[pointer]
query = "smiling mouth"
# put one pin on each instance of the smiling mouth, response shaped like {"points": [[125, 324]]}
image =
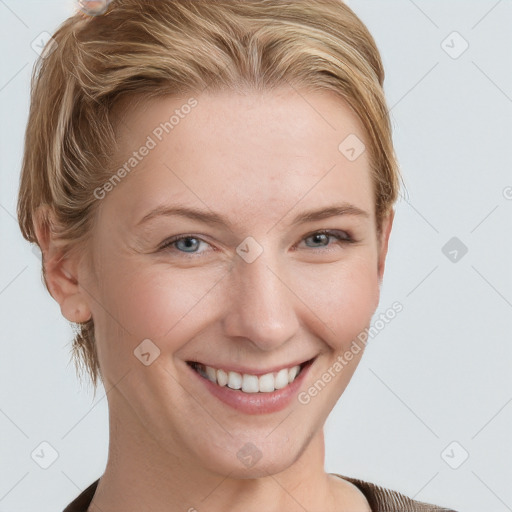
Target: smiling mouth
{"points": [[248, 383]]}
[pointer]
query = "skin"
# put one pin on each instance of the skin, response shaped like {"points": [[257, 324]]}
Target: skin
{"points": [[259, 159]]}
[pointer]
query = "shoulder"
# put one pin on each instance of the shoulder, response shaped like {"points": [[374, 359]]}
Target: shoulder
{"points": [[388, 500]]}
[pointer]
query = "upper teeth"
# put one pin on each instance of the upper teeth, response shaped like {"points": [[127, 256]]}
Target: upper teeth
{"points": [[249, 383]]}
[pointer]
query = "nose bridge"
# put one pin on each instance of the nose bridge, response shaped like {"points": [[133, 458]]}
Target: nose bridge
{"points": [[262, 307]]}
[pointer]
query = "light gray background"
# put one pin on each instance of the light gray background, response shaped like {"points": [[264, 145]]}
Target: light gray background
{"points": [[438, 373]]}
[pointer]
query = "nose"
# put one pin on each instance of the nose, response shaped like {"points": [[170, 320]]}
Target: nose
{"points": [[262, 308]]}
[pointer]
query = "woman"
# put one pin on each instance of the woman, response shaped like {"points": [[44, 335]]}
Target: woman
{"points": [[214, 213]]}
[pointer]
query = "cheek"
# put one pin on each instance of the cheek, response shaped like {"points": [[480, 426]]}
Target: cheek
{"points": [[143, 307], [344, 298], [155, 302]]}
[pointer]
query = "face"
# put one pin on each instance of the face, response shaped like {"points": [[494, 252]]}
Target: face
{"points": [[248, 284]]}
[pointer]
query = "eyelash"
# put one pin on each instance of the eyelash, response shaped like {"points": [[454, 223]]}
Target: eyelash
{"points": [[342, 236]]}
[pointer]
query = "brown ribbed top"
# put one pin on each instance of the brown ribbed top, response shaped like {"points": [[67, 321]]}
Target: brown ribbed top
{"points": [[379, 498], [387, 500]]}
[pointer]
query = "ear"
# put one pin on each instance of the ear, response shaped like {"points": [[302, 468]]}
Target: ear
{"points": [[387, 223], [60, 270]]}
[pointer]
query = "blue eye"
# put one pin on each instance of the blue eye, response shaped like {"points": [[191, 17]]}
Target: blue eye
{"points": [[189, 245], [323, 237]]}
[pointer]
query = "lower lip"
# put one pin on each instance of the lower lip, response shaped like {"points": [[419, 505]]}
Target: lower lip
{"points": [[255, 403]]}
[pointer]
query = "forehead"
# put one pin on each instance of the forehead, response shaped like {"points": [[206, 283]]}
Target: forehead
{"points": [[240, 152]]}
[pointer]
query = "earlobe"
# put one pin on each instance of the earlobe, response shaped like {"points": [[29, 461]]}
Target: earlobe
{"points": [[74, 309], [60, 271]]}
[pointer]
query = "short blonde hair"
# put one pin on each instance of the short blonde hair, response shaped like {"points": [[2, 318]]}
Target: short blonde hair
{"points": [[164, 47]]}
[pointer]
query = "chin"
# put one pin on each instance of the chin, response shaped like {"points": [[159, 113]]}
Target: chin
{"points": [[250, 462], [248, 456]]}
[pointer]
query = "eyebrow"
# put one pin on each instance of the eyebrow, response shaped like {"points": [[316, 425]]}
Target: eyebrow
{"points": [[216, 219]]}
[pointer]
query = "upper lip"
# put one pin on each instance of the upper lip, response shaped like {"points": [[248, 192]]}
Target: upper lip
{"points": [[253, 371]]}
